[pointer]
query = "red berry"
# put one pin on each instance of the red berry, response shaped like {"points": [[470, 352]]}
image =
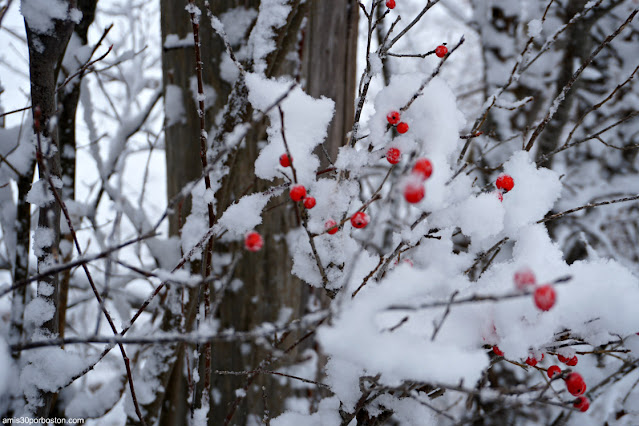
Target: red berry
{"points": [[406, 261], [298, 192], [414, 192], [360, 220], [497, 351], [545, 297], [393, 117], [423, 168], [309, 202], [575, 384], [441, 51], [531, 361], [285, 160], [331, 226], [402, 127], [582, 404], [505, 182], [390, 4], [568, 361], [253, 241], [524, 278], [553, 370], [393, 155]]}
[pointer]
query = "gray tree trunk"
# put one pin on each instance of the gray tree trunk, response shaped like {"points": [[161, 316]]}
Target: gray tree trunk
{"points": [[45, 55], [268, 286], [69, 104]]}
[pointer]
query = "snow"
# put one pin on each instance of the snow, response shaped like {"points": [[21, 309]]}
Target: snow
{"points": [[273, 15], [40, 194], [245, 215], [48, 369], [38, 311], [97, 403], [534, 28], [481, 216], [41, 14], [305, 123], [236, 22], [42, 238], [174, 111], [327, 415], [366, 335], [535, 192], [195, 11], [173, 41]]}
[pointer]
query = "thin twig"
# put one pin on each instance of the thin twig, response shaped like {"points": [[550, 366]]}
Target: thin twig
{"points": [[587, 206]]}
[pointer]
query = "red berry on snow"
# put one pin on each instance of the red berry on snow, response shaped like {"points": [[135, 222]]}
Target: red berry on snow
{"points": [[360, 220], [393, 155], [568, 361], [414, 192], [285, 160], [582, 404], [393, 117], [402, 127], [505, 182], [390, 4], [331, 226], [497, 351], [406, 261], [524, 278], [309, 202], [298, 192], [545, 297], [253, 241], [531, 361], [441, 51], [575, 384], [553, 370], [423, 168]]}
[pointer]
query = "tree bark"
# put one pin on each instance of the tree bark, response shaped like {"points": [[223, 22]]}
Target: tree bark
{"points": [[69, 98], [267, 284], [45, 55]]}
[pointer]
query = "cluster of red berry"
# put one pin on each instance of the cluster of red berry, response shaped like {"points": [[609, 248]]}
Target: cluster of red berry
{"points": [[298, 192], [358, 220], [575, 383], [394, 119], [544, 295], [414, 189], [545, 298]]}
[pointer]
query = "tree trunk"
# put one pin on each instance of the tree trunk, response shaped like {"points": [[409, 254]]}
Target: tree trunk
{"points": [[69, 98], [267, 284], [45, 55]]}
